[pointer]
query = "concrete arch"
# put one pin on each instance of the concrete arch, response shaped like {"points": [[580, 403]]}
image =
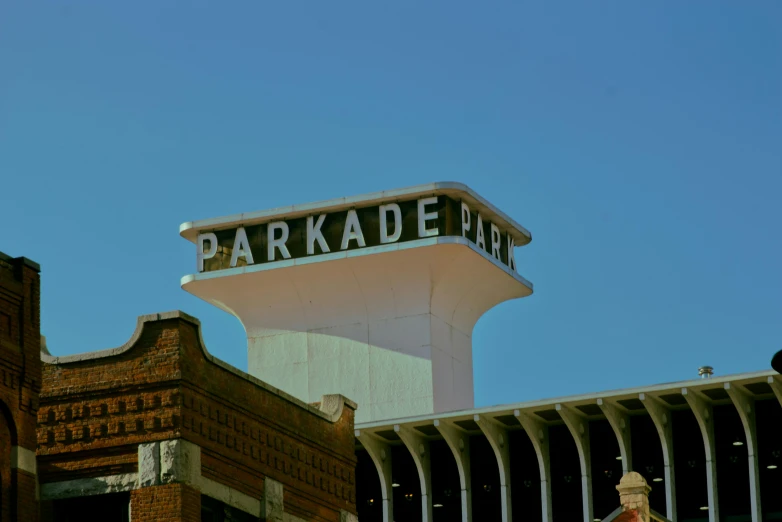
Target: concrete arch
{"points": [[704, 414], [620, 423], [661, 417], [579, 429], [537, 432], [498, 439], [418, 447], [380, 454], [745, 405], [460, 447]]}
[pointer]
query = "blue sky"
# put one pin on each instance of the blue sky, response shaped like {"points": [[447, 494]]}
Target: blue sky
{"points": [[639, 142]]}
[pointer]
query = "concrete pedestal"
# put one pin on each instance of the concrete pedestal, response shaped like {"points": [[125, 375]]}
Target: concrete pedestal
{"points": [[389, 326]]}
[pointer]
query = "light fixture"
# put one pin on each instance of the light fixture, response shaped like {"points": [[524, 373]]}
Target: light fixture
{"points": [[619, 457], [704, 508], [738, 442], [657, 479], [370, 501], [409, 497], [487, 488], [395, 485], [771, 466], [438, 505], [596, 519]]}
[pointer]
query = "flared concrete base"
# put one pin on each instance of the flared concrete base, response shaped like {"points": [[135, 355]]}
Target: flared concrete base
{"points": [[390, 326]]}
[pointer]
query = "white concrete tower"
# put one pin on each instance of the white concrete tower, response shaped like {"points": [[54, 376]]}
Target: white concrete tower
{"points": [[373, 296]]}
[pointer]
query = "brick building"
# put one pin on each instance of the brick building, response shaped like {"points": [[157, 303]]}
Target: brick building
{"points": [[20, 383], [158, 429]]}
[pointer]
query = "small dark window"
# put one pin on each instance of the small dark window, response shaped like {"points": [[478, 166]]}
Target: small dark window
{"points": [[113, 507], [215, 511]]}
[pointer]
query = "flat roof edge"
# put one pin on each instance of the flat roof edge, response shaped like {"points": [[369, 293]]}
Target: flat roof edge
{"points": [[538, 403]]}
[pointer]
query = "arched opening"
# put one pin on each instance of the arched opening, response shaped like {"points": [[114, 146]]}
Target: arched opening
{"points": [[732, 464], [407, 486], [648, 458], [369, 497], [446, 487], [565, 475], [7, 441], [768, 421], [485, 480], [525, 477], [692, 501], [606, 468]]}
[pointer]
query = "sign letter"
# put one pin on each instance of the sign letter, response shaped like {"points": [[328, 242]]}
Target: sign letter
{"points": [[465, 219], [278, 243], [313, 233], [423, 216], [241, 248], [495, 241], [479, 239], [352, 231], [201, 254], [511, 257], [384, 237]]}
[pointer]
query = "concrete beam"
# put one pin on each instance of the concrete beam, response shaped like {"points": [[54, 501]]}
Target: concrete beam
{"points": [[579, 429], [620, 423], [459, 444], [745, 405], [537, 431], [704, 414], [380, 454], [498, 439], [89, 486], [661, 417], [418, 447]]}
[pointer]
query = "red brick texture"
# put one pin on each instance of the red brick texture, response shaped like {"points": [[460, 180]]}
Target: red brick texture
{"points": [[20, 382], [631, 515], [169, 503], [95, 412]]}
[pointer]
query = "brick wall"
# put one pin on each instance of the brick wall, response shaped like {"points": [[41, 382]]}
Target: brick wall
{"points": [[161, 385], [169, 503], [20, 381]]}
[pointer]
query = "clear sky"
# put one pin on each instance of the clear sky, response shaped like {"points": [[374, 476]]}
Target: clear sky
{"points": [[639, 142]]}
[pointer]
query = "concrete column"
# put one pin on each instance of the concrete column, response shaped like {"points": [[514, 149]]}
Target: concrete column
{"points": [[776, 387], [620, 423], [579, 429], [537, 432], [418, 447], [745, 405], [634, 496], [380, 454], [272, 505], [704, 414], [460, 447], [661, 417], [498, 439]]}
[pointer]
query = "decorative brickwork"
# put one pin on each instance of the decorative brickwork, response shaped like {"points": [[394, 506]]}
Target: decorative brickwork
{"points": [[97, 408], [20, 383]]}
